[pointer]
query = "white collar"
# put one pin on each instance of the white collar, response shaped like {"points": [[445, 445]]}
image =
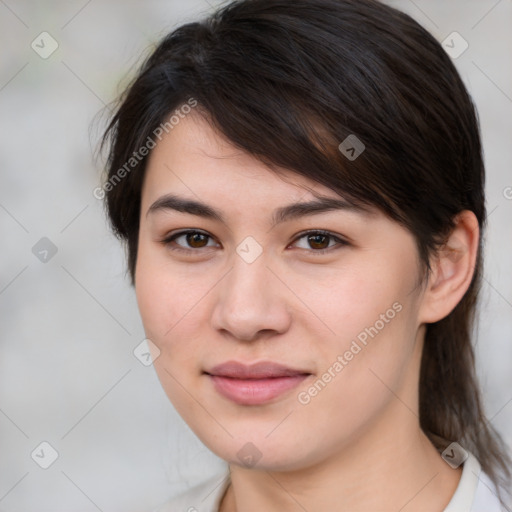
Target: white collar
{"points": [[464, 495]]}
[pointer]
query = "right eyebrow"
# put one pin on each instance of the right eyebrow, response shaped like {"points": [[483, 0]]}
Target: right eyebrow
{"points": [[184, 205]]}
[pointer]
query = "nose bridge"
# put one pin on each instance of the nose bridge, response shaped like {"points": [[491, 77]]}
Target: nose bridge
{"points": [[247, 279], [249, 301]]}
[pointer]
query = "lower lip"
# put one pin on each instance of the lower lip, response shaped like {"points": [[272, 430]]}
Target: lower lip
{"points": [[254, 391]]}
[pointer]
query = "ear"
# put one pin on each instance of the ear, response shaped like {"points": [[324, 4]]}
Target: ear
{"points": [[452, 269]]}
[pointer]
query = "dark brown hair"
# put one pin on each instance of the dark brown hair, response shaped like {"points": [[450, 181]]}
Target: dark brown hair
{"points": [[287, 81]]}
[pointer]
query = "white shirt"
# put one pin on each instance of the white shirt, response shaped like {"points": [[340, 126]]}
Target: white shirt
{"points": [[475, 493]]}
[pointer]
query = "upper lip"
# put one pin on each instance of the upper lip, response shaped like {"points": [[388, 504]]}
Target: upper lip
{"points": [[260, 370]]}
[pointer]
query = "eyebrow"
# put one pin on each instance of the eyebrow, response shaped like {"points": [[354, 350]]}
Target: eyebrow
{"points": [[282, 214]]}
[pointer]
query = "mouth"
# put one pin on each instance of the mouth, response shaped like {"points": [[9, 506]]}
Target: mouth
{"points": [[254, 384]]}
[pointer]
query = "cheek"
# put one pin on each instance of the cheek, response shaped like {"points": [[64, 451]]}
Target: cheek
{"points": [[350, 302], [371, 317], [165, 295], [359, 380], [152, 293], [165, 304], [173, 302]]}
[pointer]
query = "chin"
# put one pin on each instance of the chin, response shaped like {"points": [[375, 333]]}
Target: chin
{"points": [[258, 452]]}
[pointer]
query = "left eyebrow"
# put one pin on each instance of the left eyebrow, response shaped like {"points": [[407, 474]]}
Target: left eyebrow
{"points": [[321, 205], [282, 214]]}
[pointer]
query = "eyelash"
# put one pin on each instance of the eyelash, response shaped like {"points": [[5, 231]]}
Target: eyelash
{"points": [[340, 242]]}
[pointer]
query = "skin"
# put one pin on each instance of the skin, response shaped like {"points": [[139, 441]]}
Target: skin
{"points": [[357, 445]]}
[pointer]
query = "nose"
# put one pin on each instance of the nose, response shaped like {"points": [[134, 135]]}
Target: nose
{"points": [[252, 302]]}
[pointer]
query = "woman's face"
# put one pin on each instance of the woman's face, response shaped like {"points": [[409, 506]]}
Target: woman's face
{"points": [[245, 289]]}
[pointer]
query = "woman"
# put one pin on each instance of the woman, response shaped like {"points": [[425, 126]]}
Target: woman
{"points": [[301, 189]]}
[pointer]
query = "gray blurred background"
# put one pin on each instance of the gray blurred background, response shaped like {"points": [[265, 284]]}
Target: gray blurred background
{"points": [[69, 320]]}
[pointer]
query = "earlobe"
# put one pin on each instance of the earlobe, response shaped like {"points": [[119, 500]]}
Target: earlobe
{"points": [[452, 269]]}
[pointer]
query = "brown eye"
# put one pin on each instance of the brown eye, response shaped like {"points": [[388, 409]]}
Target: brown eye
{"points": [[319, 242], [193, 241]]}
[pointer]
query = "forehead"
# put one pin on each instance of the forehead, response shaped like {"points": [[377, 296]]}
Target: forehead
{"points": [[195, 150], [196, 161]]}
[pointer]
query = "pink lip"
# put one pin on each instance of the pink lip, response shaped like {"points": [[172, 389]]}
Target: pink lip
{"points": [[254, 384]]}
